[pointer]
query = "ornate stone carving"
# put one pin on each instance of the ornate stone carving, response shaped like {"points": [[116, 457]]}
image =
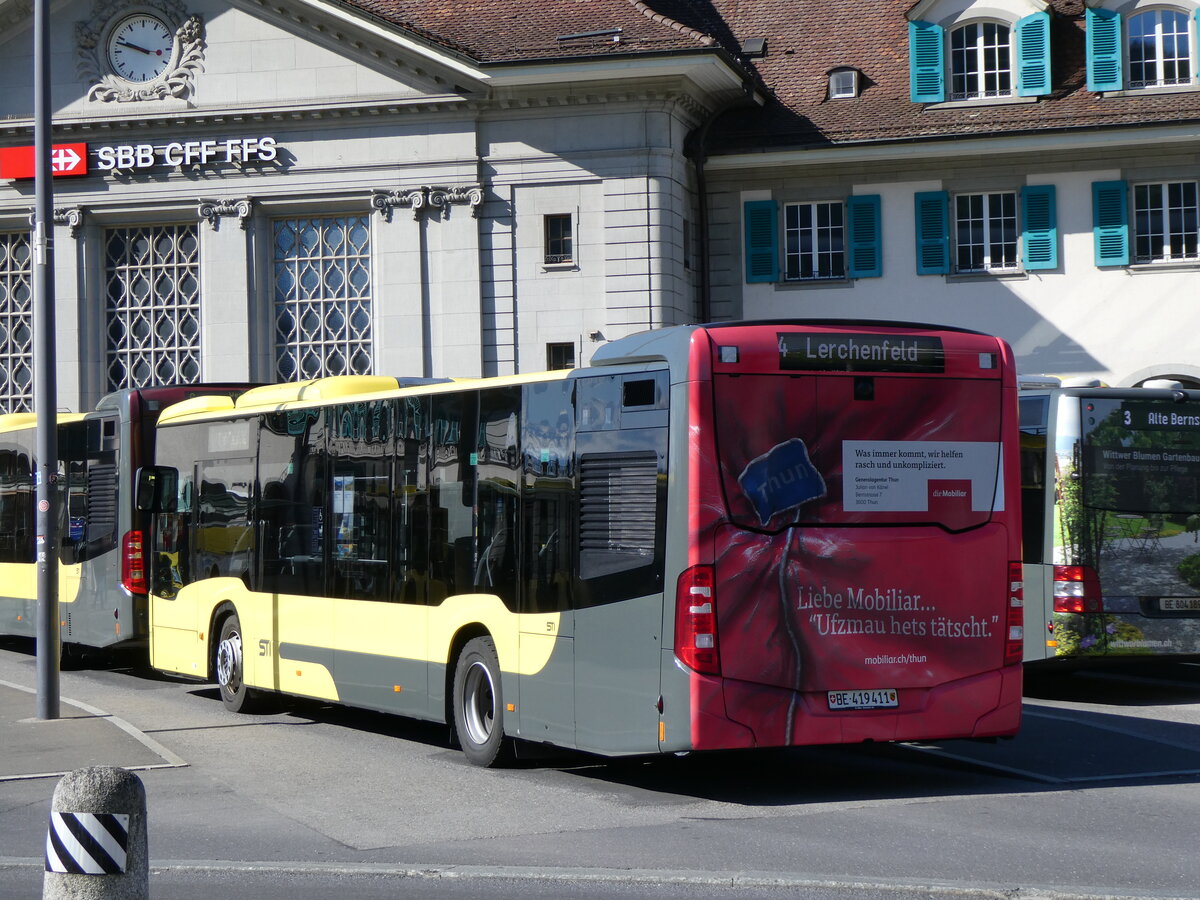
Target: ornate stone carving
{"points": [[63, 215], [427, 197], [213, 210], [176, 81]]}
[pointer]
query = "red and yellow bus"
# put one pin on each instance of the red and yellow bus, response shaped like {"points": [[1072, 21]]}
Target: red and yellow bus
{"points": [[727, 536]]}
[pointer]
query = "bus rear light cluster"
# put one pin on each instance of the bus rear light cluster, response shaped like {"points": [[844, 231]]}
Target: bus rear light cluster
{"points": [[133, 563], [1014, 642], [696, 621], [1077, 590]]}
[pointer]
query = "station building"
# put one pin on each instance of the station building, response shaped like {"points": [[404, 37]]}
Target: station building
{"points": [[253, 190]]}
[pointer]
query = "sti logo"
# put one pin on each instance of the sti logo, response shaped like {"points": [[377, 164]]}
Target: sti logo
{"points": [[65, 160]]}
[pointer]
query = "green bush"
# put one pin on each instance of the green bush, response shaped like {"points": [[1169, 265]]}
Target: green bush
{"points": [[1189, 570]]}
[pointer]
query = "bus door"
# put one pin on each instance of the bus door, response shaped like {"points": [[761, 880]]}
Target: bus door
{"points": [[292, 630], [621, 454], [548, 510], [859, 565]]}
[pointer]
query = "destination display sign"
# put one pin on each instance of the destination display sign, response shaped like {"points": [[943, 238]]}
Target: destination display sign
{"points": [[835, 352]]}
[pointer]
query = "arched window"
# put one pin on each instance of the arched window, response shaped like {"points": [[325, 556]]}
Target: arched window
{"points": [[1160, 50], [980, 61]]}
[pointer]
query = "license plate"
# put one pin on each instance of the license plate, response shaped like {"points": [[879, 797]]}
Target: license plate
{"points": [[878, 699], [1179, 604]]}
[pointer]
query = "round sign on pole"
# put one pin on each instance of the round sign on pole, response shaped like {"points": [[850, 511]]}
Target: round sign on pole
{"points": [[43, 506]]}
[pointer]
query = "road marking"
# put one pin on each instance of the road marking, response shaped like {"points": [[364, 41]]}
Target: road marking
{"points": [[171, 760]]}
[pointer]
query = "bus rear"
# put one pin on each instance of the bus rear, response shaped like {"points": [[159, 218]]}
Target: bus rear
{"points": [[854, 555], [1111, 488]]}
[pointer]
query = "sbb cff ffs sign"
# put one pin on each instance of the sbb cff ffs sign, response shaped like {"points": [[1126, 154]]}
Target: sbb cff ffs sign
{"points": [[65, 160]]}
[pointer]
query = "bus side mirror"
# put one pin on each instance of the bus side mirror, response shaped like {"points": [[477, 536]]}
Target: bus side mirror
{"points": [[156, 489]]}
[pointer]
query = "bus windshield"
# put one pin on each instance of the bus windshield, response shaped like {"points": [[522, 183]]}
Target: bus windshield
{"points": [[1141, 456]]}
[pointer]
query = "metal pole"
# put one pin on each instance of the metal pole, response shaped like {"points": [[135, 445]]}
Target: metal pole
{"points": [[45, 389]]}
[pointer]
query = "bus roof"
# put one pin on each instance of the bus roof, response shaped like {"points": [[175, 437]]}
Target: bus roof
{"points": [[333, 389], [24, 421]]}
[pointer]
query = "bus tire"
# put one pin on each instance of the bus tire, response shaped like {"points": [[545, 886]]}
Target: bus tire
{"points": [[479, 704], [231, 669]]}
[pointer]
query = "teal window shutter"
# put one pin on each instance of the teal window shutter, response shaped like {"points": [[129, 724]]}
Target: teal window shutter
{"points": [[866, 236], [926, 62], [1104, 57], [933, 233], [1039, 217], [762, 241], [1033, 55], [1110, 223]]}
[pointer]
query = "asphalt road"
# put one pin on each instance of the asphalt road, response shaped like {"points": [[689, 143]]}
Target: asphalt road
{"points": [[1099, 796]]}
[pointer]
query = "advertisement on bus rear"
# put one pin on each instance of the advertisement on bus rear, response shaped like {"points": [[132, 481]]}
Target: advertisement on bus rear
{"points": [[859, 553]]}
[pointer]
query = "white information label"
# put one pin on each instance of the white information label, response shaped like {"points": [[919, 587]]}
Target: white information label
{"points": [[905, 476]]}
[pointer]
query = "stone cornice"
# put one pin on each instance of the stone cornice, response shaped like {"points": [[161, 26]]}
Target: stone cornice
{"points": [[118, 124]]}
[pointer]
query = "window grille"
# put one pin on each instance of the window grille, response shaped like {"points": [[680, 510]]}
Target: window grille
{"points": [[16, 324], [152, 290], [323, 297]]}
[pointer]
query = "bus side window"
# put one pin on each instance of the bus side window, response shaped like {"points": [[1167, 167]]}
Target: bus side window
{"points": [[451, 495], [291, 474], [224, 535], [548, 510], [497, 480], [16, 505], [361, 498], [410, 553]]}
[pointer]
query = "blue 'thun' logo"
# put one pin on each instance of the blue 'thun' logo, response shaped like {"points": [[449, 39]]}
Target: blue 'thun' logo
{"points": [[781, 479]]}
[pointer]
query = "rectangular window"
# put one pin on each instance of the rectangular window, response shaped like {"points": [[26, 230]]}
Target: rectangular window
{"points": [[560, 356], [985, 228], [815, 241], [1165, 221], [558, 240]]}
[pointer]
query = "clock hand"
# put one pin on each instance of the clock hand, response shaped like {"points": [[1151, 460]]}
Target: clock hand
{"points": [[135, 47]]}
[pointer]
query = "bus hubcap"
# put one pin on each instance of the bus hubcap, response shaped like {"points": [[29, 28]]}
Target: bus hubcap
{"points": [[479, 703], [229, 662]]}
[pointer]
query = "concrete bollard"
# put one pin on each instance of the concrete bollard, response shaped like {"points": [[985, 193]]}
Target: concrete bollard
{"points": [[96, 847]]}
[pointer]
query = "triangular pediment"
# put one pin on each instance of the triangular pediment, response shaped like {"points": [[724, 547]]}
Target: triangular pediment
{"points": [[210, 56]]}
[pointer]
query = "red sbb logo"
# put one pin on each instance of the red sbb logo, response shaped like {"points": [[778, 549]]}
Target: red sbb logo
{"points": [[66, 160]]}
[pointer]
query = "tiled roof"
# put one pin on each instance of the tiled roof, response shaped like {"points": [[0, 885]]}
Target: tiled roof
{"points": [[500, 31], [805, 40], [808, 38]]}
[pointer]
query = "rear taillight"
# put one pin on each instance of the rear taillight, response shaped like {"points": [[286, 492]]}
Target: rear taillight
{"points": [[133, 563], [1077, 590], [696, 621], [1014, 640]]}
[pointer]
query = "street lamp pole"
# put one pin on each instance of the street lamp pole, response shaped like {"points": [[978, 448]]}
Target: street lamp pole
{"points": [[45, 389]]}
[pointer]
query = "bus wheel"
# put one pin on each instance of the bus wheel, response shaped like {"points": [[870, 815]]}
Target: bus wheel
{"points": [[230, 671], [479, 704]]}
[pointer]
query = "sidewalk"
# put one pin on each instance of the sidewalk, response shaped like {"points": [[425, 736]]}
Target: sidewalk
{"points": [[82, 736]]}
